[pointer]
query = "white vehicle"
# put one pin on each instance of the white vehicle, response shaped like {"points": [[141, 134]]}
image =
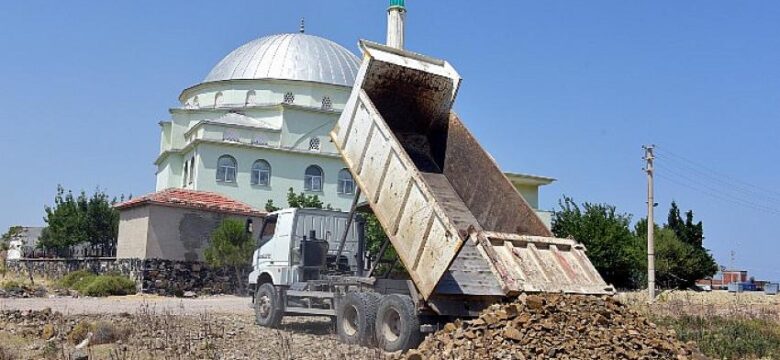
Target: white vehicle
{"points": [[464, 234]]}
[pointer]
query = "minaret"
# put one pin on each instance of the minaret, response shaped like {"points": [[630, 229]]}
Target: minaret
{"points": [[396, 17]]}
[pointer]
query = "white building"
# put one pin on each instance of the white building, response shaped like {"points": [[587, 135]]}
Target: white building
{"points": [[258, 124]]}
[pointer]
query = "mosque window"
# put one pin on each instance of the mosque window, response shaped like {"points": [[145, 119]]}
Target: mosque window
{"points": [[289, 98], [186, 174], [195, 102], [327, 104], [231, 135], [192, 171], [226, 169], [250, 98], [312, 180], [261, 173], [314, 144], [346, 183], [218, 100]]}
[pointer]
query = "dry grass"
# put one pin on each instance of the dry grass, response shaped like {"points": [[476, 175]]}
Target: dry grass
{"points": [[724, 325]]}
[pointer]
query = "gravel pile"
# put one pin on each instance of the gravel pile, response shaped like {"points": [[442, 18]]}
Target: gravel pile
{"points": [[555, 327]]}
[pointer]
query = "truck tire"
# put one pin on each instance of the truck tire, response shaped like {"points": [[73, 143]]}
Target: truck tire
{"points": [[268, 307], [397, 325], [356, 318]]}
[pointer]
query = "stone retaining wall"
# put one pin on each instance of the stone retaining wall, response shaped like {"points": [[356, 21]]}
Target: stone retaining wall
{"points": [[162, 277]]}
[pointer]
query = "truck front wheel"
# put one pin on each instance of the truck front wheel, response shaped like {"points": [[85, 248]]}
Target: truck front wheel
{"points": [[356, 318], [268, 309], [397, 325]]}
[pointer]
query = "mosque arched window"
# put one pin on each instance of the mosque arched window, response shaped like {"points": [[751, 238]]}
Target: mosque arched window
{"points": [[327, 103], [250, 98], [312, 180], [346, 183], [186, 174], [289, 98], [195, 102], [226, 169], [218, 100], [261, 173]]}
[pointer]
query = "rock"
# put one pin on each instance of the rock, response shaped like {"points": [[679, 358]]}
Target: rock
{"points": [[547, 326], [189, 294], [79, 354]]}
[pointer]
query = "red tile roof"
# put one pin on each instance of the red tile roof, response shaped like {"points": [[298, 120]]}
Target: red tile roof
{"points": [[191, 199]]}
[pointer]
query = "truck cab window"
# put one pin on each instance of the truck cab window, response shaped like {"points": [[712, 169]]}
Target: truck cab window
{"points": [[269, 228]]}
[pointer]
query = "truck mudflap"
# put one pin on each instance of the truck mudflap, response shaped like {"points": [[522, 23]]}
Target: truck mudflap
{"points": [[524, 263]]}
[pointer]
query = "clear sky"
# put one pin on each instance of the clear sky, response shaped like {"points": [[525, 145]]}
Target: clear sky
{"points": [[567, 89]]}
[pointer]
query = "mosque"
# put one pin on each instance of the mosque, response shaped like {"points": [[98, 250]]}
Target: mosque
{"points": [[258, 124]]}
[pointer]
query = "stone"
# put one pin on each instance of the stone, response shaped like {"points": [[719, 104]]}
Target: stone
{"points": [[189, 294]]}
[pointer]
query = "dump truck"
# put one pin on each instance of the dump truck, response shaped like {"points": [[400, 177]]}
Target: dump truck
{"points": [[464, 234]]}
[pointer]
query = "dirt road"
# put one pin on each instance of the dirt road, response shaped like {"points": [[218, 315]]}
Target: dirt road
{"points": [[131, 304]]}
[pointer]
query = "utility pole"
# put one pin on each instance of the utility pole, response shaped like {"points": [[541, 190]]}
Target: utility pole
{"points": [[649, 157]]}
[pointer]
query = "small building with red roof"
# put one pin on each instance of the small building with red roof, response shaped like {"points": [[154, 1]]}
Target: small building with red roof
{"points": [[176, 224]]}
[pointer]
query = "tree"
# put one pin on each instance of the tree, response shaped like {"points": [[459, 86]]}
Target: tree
{"points": [[231, 246], [605, 233], [701, 262], [79, 219], [302, 200], [270, 207]]}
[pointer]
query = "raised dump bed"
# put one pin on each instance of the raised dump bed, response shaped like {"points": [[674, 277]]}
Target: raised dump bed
{"points": [[457, 223]]}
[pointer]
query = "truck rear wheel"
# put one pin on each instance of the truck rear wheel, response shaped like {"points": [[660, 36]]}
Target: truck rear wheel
{"points": [[268, 307], [397, 325], [356, 318]]}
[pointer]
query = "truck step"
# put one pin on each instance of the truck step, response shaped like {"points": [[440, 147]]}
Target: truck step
{"points": [[310, 311], [310, 294]]}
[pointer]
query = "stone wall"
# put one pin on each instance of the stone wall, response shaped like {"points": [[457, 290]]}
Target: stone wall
{"points": [[154, 276]]}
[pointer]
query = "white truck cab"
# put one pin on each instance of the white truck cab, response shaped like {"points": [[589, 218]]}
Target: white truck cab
{"points": [[277, 258]]}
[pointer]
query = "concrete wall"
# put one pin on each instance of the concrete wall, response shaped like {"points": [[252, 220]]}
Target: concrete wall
{"points": [[133, 233], [171, 233]]}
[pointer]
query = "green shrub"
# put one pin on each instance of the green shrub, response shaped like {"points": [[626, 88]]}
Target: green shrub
{"points": [[107, 285], [729, 338], [76, 279]]}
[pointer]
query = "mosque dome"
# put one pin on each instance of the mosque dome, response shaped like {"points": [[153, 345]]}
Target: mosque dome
{"points": [[295, 56]]}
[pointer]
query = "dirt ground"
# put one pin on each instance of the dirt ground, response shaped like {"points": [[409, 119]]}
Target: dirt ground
{"points": [[151, 327], [222, 327]]}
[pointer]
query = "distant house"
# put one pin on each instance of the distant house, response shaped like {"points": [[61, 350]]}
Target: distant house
{"points": [[528, 186], [176, 224], [26, 240]]}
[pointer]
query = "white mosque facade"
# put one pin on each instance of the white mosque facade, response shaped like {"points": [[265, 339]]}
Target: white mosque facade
{"points": [[258, 124]]}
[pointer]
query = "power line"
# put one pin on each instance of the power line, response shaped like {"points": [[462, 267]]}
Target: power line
{"points": [[683, 162], [722, 198], [721, 192]]}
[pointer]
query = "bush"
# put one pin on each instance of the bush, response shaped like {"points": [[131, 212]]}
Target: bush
{"points": [[107, 285], [76, 279], [79, 332], [11, 285], [104, 332]]}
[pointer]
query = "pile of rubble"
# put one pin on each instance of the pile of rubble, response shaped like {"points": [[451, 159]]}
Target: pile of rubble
{"points": [[555, 327]]}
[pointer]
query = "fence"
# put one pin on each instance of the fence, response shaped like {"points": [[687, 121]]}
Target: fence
{"points": [[73, 252]]}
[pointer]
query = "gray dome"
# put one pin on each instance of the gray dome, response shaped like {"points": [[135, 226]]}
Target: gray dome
{"points": [[290, 57]]}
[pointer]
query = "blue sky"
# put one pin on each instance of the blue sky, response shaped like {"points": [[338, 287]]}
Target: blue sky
{"points": [[568, 89]]}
